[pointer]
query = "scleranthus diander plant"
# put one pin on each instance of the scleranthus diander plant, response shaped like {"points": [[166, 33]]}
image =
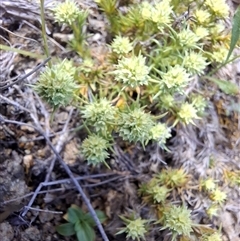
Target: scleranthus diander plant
{"points": [[94, 149], [132, 71], [121, 45], [69, 13], [135, 227], [101, 115], [57, 84], [66, 12], [135, 125], [177, 220], [156, 58]]}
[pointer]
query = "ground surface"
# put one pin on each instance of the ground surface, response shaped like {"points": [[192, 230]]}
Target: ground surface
{"points": [[26, 160]]}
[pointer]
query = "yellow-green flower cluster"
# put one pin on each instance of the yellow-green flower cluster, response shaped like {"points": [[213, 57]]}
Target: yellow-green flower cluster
{"points": [[153, 191], [66, 12], [218, 196], [212, 210], [94, 149], [218, 7], [160, 133], [56, 84], [208, 184], [135, 125], [217, 29], [219, 54], [132, 71], [187, 113], [172, 178], [178, 220], [100, 114], [158, 193], [202, 16], [199, 102], [146, 10], [135, 228], [212, 237], [121, 45], [159, 13], [195, 63], [187, 39], [175, 78], [201, 32]]}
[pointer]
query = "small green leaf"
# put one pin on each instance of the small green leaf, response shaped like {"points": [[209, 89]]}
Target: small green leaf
{"points": [[84, 232], [78, 210], [72, 215], [78, 226], [100, 214], [89, 219], [235, 32], [66, 229], [226, 86]]}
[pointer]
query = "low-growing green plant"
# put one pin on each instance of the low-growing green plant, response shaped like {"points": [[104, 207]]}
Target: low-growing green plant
{"points": [[177, 220], [57, 85], [157, 60], [135, 227], [101, 115], [216, 236], [69, 13], [218, 196], [207, 184], [80, 224], [159, 57], [212, 210], [94, 149], [153, 192], [172, 178], [159, 191]]}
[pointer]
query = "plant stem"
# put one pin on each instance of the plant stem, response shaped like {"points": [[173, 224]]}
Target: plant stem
{"points": [[44, 34]]}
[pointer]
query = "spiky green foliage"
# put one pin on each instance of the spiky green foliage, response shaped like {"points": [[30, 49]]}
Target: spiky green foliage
{"points": [[57, 85], [135, 125], [172, 178], [155, 66], [94, 149], [100, 114], [178, 220], [135, 227], [66, 12], [132, 71]]}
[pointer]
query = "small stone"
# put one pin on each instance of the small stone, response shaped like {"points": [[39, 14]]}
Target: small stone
{"points": [[45, 216], [27, 128], [28, 162], [31, 234], [6, 231]]}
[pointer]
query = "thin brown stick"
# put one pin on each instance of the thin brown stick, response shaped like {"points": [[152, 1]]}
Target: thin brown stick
{"points": [[59, 145]]}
